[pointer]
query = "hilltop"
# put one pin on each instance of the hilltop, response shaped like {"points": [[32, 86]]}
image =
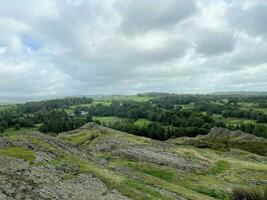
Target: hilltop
{"points": [[95, 162]]}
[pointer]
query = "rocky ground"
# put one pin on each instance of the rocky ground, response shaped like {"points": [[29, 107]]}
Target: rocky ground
{"points": [[96, 162]]}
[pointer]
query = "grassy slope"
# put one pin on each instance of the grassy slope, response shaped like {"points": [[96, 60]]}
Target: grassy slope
{"points": [[229, 170], [142, 180]]}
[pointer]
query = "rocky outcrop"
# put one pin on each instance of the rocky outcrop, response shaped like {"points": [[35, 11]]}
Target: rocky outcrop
{"points": [[48, 176], [95, 162], [221, 138]]}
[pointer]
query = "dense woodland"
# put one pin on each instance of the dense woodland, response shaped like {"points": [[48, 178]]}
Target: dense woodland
{"points": [[49, 116], [169, 115]]}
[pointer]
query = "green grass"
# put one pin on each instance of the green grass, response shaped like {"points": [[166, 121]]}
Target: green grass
{"points": [[12, 131], [80, 138], [153, 194], [69, 176], [251, 106], [232, 121], [69, 111], [103, 102], [246, 105], [125, 98], [142, 122], [186, 182], [138, 98], [210, 192], [36, 141], [158, 172], [108, 120], [220, 167], [264, 110], [18, 152]]}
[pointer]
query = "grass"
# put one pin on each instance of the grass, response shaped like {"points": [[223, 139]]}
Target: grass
{"points": [[248, 193], [146, 181], [12, 131], [108, 120], [220, 167], [80, 138], [264, 110], [36, 141], [151, 192], [210, 192], [232, 121], [142, 122], [138, 98], [18, 152], [69, 177], [168, 178], [251, 106], [125, 98], [158, 172]]}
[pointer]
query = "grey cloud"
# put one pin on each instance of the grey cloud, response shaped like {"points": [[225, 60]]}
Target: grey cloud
{"points": [[251, 19], [215, 42], [141, 16]]}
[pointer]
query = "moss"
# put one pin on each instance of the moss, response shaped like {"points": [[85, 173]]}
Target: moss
{"points": [[18, 152]]}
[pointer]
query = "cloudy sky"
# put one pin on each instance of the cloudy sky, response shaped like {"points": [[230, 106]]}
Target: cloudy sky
{"points": [[51, 48]]}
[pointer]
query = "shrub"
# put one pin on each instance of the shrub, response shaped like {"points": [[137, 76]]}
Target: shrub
{"points": [[17, 126]]}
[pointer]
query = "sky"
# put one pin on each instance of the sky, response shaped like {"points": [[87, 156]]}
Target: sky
{"points": [[54, 48]]}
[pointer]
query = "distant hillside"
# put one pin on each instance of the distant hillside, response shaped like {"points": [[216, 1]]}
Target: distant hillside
{"points": [[240, 93]]}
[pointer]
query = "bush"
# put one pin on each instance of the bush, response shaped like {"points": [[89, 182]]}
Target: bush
{"points": [[17, 126], [239, 193]]}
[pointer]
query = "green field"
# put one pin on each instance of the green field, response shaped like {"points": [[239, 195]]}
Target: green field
{"points": [[12, 131], [126, 98], [264, 110], [142, 122], [108, 120], [251, 106], [232, 121]]}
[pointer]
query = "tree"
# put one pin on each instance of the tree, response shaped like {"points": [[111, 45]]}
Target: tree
{"points": [[89, 118], [56, 121], [77, 112], [156, 131]]}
